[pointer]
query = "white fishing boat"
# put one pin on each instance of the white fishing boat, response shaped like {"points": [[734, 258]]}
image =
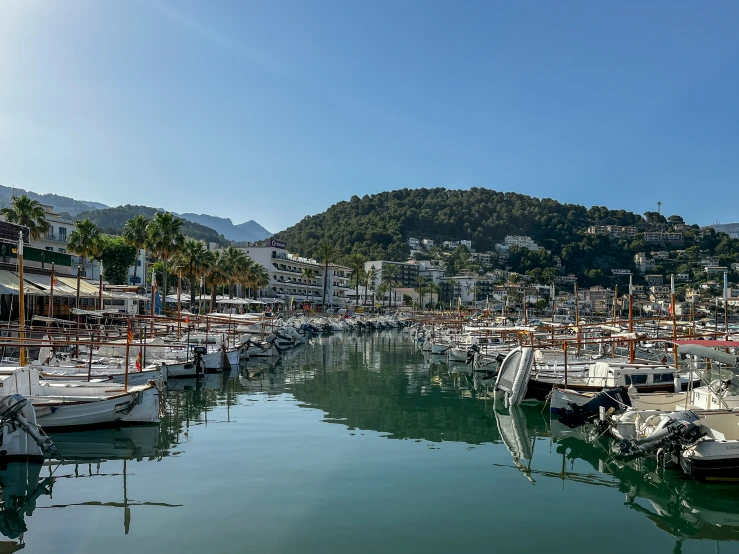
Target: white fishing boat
{"points": [[78, 404]]}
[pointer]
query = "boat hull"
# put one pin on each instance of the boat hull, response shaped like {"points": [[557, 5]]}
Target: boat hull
{"points": [[540, 390], [139, 406]]}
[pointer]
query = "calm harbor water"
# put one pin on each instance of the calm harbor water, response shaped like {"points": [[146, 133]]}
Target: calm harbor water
{"points": [[352, 444]]}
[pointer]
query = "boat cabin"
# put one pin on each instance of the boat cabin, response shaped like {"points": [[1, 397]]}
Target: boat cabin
{"points": [[601, 374]]}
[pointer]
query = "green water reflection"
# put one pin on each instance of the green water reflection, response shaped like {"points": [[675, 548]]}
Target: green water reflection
{"points": [[353, 443]]}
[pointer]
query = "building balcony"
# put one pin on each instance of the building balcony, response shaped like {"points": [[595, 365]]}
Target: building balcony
{"points": [[54, 237]]}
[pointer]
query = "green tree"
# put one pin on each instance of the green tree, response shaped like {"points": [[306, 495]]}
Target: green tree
{"points": [[434, 288], [31, 213], [326, 253], [193, 259], [85, 241], [308, 273], [369, 281], [356, 264], [256, 277], [116, 256], [165, 239], [382, 290], [235, 267], [388, 275], [135, 234], [217, 273]]}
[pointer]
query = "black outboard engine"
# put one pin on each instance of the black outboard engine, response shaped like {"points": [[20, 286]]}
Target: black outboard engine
{"points": [[575, 415], [676, 430], [11, 408], [198, 353], [474, 349]]}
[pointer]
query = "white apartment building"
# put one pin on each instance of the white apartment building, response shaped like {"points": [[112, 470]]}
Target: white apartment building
{"points": [[428, 243], [406, 273], [286, 280], [415, 244], [429, 270], [55, 239], [662, 237], [521, 242], [485, 258]]}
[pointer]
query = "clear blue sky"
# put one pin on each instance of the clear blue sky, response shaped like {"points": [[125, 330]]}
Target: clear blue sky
{"points": [[273, 110]]}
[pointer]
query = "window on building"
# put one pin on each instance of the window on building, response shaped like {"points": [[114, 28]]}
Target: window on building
{"points": [[63, 233], [62, 250], [138, 262], [50, 248]]}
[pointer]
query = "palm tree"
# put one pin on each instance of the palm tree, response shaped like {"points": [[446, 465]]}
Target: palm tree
{"points": [[453, 289], [31, 213], [85, 241], [235, 266], [382, 289], [165, 239], [216, 272], [434, 288], [192, 258], [389, 273], [135, 233], [326, 253], [308, 274], [356, 263], [473, 289], [260, 277], [421, 289]]}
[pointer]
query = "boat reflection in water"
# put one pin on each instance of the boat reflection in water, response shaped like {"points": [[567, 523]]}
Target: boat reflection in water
{"points": [[374, 382], [682, 507], [22, 485], [438, 402]]}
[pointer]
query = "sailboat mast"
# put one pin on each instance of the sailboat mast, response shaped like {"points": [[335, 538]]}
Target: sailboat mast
{"points": [[21, 302]]}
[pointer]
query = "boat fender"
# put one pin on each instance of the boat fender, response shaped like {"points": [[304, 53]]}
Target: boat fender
{"points": [[677, 384]]}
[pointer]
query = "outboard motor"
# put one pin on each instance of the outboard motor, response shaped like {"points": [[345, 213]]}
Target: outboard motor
{"points": [[11, 408], [474, 349], [198, 353], [575, 415], [678, 428]]}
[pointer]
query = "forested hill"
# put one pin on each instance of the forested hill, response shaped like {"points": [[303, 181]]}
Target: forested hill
{"points": [[379, 225], [112, 220]]}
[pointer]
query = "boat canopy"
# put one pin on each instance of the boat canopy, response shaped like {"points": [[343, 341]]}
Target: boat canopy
{"points": [[86, 288], [9, 284]]}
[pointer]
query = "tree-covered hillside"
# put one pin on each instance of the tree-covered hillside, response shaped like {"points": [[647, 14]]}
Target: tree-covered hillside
{"points": [[378, 226], [112, 220]]}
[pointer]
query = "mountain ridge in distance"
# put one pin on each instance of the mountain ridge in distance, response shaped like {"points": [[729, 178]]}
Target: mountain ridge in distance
{"points": [[249, 231], [57, 202], [728, 228]]}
